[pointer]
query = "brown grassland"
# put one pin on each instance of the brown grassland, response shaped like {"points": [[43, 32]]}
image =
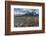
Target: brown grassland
{"points": [[26, 21]]}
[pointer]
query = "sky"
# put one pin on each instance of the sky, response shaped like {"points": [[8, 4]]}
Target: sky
{"points": [[22, 11]]}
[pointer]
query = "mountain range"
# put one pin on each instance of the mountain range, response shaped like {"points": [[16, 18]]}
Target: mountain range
{"points": [[28, 14]]}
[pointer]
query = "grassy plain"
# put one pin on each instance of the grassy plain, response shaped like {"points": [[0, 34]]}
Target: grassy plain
{"points": [[26, 21]]}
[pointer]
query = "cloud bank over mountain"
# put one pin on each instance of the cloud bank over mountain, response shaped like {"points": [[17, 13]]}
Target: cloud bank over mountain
{"points": [[26, 12]]}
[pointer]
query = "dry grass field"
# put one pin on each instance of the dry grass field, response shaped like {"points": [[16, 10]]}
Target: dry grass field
{"points": [[26, 21]]}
